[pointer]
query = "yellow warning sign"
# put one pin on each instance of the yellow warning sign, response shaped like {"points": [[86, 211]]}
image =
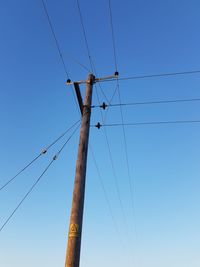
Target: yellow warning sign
{"points": [[73, 230]]}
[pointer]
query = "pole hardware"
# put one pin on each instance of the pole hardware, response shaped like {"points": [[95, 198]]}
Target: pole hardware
{"points": [[104, 106], [116, 74], [98, 125]]}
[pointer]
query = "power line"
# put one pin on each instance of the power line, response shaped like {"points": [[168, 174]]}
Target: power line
{"points": [[58, 47], [55, 38], [153, 75], [37, 181], [63, 146], [84, 33], [121, 112], [57, 43], [26, 195], [113, 35], [109, 103], [147, 103], [112, 165], [63, 134], [98, 125], [87, 46], [79, 63], [94, 70], [126, 156], [23, 169], [102, 91], [43, 152], [107, 200], [105, 194]]}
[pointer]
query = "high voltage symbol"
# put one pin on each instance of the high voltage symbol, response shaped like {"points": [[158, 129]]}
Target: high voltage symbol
{"points": [[73, 230]]}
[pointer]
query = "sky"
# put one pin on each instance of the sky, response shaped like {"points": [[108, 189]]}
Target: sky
{"points": [[157, 224]]}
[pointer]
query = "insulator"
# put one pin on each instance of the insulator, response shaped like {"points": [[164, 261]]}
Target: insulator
{"points": [[103, 106], [98, 125], [116, 73]]}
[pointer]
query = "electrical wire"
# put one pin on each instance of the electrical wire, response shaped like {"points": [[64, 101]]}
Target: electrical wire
{"points": [[87, 47], [58, 48], [113, 168], [122, 118], [23, 169], [26, 195], [100, 87], [150, 102], [36, 182], [84, 33], [55, 38], [63, 134], [109, 104], [153, 76], [121, 112], [79, 63], [131, 185], [63, 146], [43, 152], [113, 35], [105, 194], [147, 123], [57, 43], [108, 202]]}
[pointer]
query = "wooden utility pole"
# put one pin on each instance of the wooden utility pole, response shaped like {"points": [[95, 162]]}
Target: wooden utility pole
{"points": [[76, 218]]}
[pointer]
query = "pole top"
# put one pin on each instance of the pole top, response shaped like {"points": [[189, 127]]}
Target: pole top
{"points": [[93, 79]]}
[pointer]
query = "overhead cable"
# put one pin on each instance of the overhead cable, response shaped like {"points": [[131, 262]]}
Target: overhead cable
{"points": [[84, 33], [59, 49], [159, 75], [113, 35], [98, 125], [55, 38], [113, 167], [92, 65], [57, 43], [121, 113], [55, 157], [43, 152], [104, 105], [105, 194]]}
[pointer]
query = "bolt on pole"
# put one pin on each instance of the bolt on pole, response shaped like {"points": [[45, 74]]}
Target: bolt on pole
{"points": [[76, 218]]}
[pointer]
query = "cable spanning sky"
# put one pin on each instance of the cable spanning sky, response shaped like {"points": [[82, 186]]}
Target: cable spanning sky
{"points": [[142, 191]]}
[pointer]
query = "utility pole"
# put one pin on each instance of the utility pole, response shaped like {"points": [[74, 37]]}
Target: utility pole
{"points": [[76, 218]]}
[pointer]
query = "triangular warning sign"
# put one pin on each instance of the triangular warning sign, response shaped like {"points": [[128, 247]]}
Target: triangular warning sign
{"points": [[73, 230]]}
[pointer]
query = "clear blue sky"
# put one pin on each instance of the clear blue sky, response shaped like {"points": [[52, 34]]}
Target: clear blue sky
{"points": [[36, 106]]}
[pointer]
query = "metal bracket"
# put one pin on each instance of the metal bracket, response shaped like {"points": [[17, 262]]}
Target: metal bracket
{"points": [[79, 97], [116, 74]]}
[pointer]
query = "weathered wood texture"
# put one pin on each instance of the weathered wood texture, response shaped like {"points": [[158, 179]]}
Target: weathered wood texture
{"points": [[76, 219]]}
